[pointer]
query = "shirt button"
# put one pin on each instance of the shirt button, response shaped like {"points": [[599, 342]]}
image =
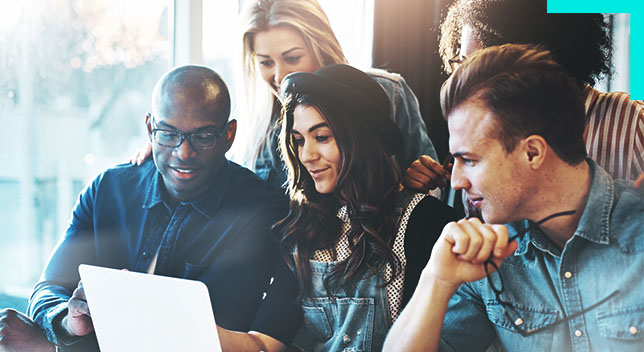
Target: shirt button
{"points": [[632, 330], [567, 274], [144, 254], [346, 339], [518, 322], [578, 333]]}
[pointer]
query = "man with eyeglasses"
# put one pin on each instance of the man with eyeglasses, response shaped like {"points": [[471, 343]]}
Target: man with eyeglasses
{"points": [[565, 272], [188, 213]]}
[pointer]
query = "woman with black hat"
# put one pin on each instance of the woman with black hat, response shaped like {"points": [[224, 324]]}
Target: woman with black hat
{"points": [[354, 243], [285, 36]]}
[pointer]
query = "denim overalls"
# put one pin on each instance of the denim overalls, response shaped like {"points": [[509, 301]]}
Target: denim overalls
{"points": [[348, 321]]}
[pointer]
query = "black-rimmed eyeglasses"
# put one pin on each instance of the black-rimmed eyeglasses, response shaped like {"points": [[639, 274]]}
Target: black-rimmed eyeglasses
{"points": [[510, 312], [198, 141]]}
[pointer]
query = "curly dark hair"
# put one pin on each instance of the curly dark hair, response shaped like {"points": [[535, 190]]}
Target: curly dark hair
{"points": [[579, 42]]}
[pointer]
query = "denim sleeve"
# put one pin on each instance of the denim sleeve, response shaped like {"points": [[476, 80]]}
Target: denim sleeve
{"points": [[48, 302], [466, 326], [405, 111]]}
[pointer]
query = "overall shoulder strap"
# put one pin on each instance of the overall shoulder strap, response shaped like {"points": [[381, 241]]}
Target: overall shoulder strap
{"points": [[405, 204]]}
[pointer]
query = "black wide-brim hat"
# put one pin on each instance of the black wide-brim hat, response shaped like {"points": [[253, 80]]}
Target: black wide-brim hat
{"points": [[353, 90]]}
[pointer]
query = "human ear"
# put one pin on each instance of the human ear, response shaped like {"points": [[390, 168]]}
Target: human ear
{"points": [[148, 124], [535, 148], [231, 131]]}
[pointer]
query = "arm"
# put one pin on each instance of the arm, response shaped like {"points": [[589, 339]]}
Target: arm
{"points": [[405, 111], [52, 296], [276, 322], [251, 341], [279, 317], [19, 333], [456, 258]]}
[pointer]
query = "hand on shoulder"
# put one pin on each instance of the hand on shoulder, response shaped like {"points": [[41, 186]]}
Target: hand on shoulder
{"points": [[426, 174], [141, 155], [639, 182]]}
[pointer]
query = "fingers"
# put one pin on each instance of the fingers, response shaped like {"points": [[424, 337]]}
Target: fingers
{"points": [[486, 240], [139, 157], [410, 181], [501, 242], [509, 249], [436, 167], [639, 183], [475, 242], [144, 153], [426, 174], [77, 304]]}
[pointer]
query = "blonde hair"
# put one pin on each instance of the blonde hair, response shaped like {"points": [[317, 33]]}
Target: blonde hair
{"points": [[306, 18]]}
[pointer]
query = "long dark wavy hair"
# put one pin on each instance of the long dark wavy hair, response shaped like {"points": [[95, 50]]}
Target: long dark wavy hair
{"points": [[368, 182]]}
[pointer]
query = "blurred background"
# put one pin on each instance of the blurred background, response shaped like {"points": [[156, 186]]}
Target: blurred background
{"points": [[76, 78]]}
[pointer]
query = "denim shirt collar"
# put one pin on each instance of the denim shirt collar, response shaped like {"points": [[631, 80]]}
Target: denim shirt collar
{"points": [[206, 204], [594, 224]]}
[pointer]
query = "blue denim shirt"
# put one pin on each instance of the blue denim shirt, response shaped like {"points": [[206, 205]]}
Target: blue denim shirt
{"points": [[121, 219], [605, 254], [404, 111]]}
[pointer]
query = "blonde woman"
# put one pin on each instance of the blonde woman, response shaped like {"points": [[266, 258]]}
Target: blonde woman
{"points": [[285, 36]]}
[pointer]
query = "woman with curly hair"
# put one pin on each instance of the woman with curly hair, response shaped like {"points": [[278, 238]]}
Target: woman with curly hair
{"points": [[614, 134], [354, 242]]}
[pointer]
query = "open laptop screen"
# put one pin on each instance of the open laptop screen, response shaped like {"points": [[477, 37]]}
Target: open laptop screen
{"points": [[141, 312]]}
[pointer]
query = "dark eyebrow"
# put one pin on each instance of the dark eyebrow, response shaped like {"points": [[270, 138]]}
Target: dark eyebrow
{"points": [[315, 127], [165, 125], [319, 125], [461, 154]]}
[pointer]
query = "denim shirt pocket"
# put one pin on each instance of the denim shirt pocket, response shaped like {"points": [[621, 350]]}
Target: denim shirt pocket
{"points": [[532, 317], [192, 271], [625, 324]]}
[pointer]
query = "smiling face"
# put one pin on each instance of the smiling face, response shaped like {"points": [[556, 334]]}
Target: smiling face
{"points": [[280, 51], [496, 181], [187, 172], [316, 147]]}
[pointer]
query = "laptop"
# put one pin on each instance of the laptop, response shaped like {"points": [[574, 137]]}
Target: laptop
{"points": [[141, 312]]}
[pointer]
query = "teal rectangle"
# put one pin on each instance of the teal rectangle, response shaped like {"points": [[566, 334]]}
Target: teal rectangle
{"points": [[635, 8], [592, 6]]}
